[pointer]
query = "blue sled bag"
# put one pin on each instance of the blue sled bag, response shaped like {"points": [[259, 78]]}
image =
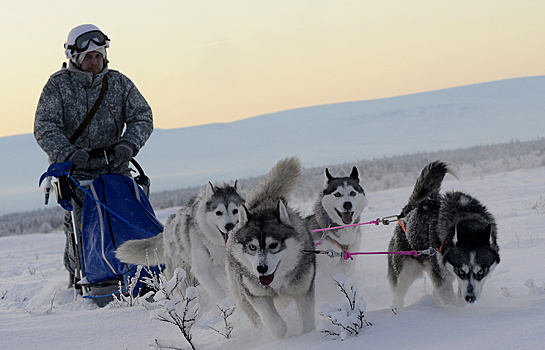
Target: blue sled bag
{"points": [[130, 216]]}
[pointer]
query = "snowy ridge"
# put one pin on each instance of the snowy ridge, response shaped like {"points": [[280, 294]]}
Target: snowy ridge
{"points": [[460, 117], [377, 174]]}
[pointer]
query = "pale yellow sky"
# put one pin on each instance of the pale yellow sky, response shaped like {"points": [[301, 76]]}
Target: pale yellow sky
{"points": [[203, 61]]}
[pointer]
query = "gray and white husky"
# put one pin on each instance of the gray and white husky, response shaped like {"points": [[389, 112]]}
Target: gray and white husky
{"points": [[194, 238], [457, 227], [265, 261], [340, 203]]}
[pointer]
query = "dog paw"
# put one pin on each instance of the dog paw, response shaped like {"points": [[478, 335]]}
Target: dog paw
{"points": [[278, 330]]}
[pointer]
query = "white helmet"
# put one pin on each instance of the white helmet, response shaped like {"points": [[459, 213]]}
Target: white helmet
{"points": [[85, 38]]}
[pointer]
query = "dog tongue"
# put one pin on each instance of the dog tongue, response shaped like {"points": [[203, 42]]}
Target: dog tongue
{"points": [[266, 280], [347, 217]]}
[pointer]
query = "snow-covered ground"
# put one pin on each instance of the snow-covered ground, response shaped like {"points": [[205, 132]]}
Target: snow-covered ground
{"points": [[37, 311]]}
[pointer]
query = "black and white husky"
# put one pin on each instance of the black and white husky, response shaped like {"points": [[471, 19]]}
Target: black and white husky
{"points": [[194, 238], [457, 227], [265, 261], [340, 203]]}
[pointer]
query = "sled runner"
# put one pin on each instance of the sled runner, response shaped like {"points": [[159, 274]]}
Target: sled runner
{"points": [[115, 209]]}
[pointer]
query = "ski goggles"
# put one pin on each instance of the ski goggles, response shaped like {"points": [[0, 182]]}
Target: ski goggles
{"points": [[83, 41]]}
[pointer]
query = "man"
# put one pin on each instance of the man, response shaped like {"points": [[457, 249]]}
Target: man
{"points": [[119, 118]]}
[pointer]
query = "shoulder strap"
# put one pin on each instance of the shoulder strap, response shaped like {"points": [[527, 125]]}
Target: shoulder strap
{"points": [[92, 112]]}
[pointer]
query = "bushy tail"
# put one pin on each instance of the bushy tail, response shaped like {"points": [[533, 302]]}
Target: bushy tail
{"points": [[428, 183], [277, 184], [142, 251]]}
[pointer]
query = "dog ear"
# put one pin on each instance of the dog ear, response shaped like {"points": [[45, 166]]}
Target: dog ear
{"points": [[455, 238], [486, 234], [243, 215], [283, 214], [489, 238], [328, 175], [354, 174], [210, 190], [238, 189]]}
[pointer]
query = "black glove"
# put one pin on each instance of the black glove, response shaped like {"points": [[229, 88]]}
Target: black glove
{"points": [[124, 151], [79, 158]]}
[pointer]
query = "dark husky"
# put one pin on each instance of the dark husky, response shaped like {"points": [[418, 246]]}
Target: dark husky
{"points": [[457, 227]]}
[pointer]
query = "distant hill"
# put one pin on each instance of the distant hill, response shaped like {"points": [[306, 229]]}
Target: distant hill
{"points": [[461, 117], [376, 175]]}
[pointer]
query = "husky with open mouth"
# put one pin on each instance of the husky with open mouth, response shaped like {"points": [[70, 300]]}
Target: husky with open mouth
{"points": [[194, 238], [340, 203], [265, 261]]}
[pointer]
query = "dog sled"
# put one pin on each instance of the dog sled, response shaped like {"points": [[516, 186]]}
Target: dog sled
{"points": [[115, 209]]}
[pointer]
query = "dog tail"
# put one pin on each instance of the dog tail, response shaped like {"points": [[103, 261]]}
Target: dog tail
{"points": [[277, 185], [142, 251], [428, 183]]}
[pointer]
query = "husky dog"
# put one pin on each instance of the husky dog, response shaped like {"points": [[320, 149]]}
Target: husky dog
{"points": [[456, 227], [265, 261], [194, 238], [340, 203]]}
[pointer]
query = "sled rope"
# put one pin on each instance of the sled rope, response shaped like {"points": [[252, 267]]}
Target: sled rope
{"points": [[416, 253], [106, 207], [376, 222], [385, 221], [347, 255]]}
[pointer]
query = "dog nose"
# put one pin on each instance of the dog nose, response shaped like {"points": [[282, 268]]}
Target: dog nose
{"points": [[470, 298], [347, 205], [262, 269], [229, 227]]}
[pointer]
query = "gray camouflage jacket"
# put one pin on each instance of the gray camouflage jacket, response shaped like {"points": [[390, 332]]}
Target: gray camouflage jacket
{"points": [[67, 97]]}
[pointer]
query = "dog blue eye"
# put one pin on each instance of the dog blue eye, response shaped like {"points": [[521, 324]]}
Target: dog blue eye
{"points": [[353, 193], [480, 275], [461, 273], [337, 194], [252, 247], [219, 213]]}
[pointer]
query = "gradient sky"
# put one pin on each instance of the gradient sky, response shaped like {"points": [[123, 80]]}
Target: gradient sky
{"points": [[203, 61]]}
